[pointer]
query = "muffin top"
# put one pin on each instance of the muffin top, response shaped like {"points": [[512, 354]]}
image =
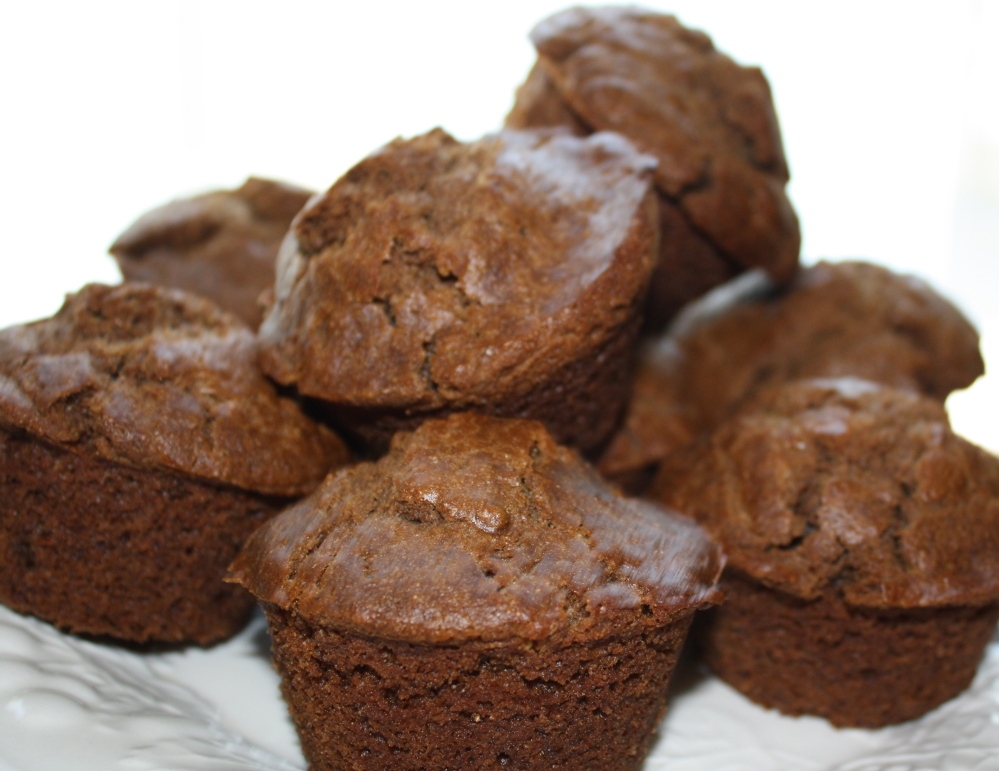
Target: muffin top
{"points": [[845, 484], [439, 273], [710, 122], [221, 245], [836, 319], [156, 378], [478, 528]]}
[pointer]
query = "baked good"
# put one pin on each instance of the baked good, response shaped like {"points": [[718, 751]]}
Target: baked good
{"points": [[139, 446], [834, 319], [656, 424], [221, 245], [477, 598], [710, 123], [505, 275], [862, 538]]}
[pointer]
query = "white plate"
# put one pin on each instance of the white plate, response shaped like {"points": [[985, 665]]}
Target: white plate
{"points": [[66, 703]]}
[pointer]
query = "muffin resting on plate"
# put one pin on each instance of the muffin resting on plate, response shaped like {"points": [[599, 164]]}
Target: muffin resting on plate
{"points": [[220, 245], [710, 123], [139, 446], [862, 538], [506, 276], [477, 598]]}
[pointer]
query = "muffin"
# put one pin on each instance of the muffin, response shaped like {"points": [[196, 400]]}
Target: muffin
{"points": [[220, 245], [834, 319], [505, 276], [710, 123], [477, 598], [139, 446], [862, 538]]}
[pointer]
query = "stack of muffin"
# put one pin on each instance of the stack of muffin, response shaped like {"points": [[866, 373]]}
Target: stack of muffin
{"points": [[505, 333]]}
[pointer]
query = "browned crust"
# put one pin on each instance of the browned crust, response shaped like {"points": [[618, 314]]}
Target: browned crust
{"points": [[437, 276], [221, 245], [710, 123], [160, 379], [476, 528]]}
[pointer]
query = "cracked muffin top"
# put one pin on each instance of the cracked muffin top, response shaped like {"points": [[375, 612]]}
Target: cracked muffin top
{"points": [[845, 484], [156, 378], [836, 319], [440, 273], [709, 122], [478, 528], [220, 245]]}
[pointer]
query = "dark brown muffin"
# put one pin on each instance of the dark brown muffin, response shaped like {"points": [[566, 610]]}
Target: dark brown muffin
{"points": [[139, 446], [220, 245], [863, 545], [476, 599], [505, 275], [710, 123], [835, 319]]}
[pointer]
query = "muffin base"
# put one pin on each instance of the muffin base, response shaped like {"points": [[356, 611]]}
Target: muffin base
{"points": [[98, 548], [362, 703], [855, 667]]}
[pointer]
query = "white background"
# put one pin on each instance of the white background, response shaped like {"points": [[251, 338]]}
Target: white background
{"points": [[890, 114]]}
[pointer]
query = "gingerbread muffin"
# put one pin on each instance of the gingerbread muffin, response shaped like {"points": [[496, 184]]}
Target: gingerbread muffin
{"points": [[139, 446], [862, 538], [220, 245], [477, 598], [836, 319], [506, 276], [710, 123]]}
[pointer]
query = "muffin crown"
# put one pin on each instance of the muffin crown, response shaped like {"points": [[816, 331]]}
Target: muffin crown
{"points": [[478, 528], [709, 122], [440, 273], [851, 486], [837, 319], [220, 245], [156, 378]]}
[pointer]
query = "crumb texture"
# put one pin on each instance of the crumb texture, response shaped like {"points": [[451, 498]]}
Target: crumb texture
{"points": [[853, 666], [102, 549], [363, 703]]}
